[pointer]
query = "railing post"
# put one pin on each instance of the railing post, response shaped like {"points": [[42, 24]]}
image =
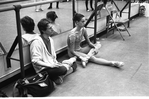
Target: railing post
{"points": [[73, 11], [129, 12], [11, 51], [95, 22], [17, 11]]}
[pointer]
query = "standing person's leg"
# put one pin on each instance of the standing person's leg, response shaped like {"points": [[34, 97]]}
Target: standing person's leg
{"points": [[38, 8], [86, 5], [57, 5], [104, 2], [50, 6], [91, 4]]}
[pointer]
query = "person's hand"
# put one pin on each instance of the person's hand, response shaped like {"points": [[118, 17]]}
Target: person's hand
{"points": [[95, 51], [59, 64]]}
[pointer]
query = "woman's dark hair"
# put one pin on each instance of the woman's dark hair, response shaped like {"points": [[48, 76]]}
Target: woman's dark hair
{"points": [[51, 15], [27, 24], [77, 17], [43, 24]]}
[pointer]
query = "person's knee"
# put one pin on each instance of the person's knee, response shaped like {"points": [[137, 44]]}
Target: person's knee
{"points": [[63, 70], [92, 59]]}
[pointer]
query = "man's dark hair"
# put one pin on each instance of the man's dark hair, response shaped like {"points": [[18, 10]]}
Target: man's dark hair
{"points": [[43, 24], [28, 24]]}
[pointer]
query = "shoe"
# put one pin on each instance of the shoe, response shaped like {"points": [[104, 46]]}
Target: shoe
{"points": [[58, 81], [37, 10], [118, 64], [40, 9], [84, 61], [83, 64], [103, 8], [49, 7], [92, 9], [73, 59], [74, 66], [87, 10], [69, 61]]}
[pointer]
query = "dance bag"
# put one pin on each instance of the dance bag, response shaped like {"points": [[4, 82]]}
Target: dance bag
{"points": [[38, 85]]}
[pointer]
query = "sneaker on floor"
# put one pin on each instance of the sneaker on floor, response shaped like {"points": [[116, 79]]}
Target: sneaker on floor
{"points": [[40, 9], [37, 10], [58, 81], [118, 64], [49, 7], [87, 10]]}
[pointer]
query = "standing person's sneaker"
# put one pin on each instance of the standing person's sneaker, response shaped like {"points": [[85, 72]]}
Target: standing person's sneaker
{"points": [[58, 81], [49, 7], [40, 9], [87, 10], [37, 10], [92, 9], [117, 64]]}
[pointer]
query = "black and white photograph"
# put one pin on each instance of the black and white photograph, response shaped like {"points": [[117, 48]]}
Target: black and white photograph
{"points": [[74, 48]]}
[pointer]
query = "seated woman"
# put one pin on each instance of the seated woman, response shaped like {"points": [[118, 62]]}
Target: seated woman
{"points": [[85, 53]]}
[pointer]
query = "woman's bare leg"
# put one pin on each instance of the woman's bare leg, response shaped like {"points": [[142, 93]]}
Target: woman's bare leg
{"points": [[102, 61]]}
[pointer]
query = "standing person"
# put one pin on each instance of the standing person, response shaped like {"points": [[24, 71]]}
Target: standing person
{"points": [[91, 5], [57, 5], [28, 26], [43, 55], [51, 16], [85, 53], [38, 8], [104, 2]]}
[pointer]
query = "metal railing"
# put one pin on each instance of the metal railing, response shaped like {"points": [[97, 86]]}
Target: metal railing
{"points": [[121, 11], [18, 39], [11, 1]]}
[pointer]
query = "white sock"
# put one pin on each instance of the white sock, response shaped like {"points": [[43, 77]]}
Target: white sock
{"points": [[70, 61]]}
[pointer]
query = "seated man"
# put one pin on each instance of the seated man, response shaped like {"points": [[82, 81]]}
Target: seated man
{"points": [[43, 55], [85, 53], [28, 26]]}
